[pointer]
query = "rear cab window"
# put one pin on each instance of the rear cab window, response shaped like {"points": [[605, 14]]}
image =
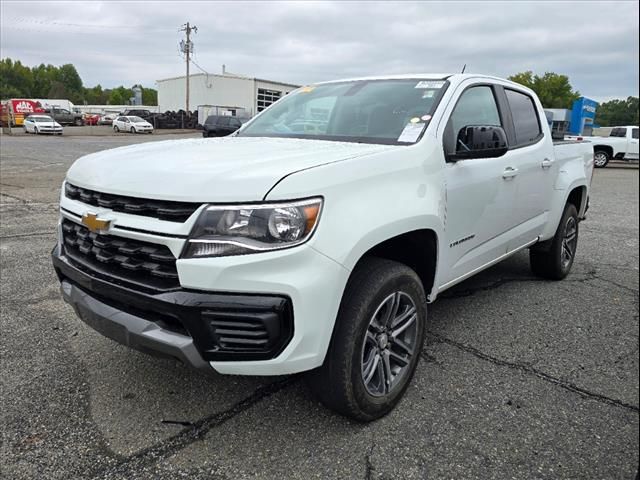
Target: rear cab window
{"points": [[525, 118], [618, 132]]}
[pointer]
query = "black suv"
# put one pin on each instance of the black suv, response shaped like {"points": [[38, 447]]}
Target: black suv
{"points": [[145, 114], [221, 125]]}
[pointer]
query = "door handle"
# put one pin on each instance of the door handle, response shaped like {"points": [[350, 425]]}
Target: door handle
{"points": [[546, 163], [509, 172]]}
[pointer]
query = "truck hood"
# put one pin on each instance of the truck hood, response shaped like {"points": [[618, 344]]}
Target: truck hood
{"points": [[225, 169]]}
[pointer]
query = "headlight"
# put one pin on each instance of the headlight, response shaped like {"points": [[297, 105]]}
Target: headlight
{"points": [[237, 230]]}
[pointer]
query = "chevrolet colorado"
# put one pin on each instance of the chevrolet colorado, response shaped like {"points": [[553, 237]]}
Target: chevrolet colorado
{"points": [[314, 237]]}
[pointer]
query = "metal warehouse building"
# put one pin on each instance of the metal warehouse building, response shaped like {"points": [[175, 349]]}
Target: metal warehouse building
{"points": [[226, 94]]}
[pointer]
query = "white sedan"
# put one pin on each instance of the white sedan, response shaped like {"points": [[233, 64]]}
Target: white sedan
{"points": [[41, 124], [132, 124]]}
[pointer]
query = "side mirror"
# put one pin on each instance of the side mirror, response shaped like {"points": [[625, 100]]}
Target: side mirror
{"points": [[479, 141]]}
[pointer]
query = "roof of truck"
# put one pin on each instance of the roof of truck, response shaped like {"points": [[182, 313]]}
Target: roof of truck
{"points": [[429, 76]]}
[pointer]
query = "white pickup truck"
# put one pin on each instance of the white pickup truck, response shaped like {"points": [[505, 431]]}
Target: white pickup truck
{"points": [[314, 237], [621, 144]]}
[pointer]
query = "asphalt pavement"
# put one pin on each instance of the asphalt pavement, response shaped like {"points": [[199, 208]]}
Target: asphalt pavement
{"points": [[520, 378]]}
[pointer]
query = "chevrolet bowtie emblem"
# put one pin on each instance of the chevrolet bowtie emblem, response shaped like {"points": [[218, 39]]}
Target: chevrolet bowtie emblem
{"points": [[95, 224]]}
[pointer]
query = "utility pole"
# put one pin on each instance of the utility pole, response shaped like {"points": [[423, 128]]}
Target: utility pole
{"points": [[187, 48]]}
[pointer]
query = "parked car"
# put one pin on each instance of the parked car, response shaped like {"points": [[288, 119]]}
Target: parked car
{"points": [[91, 118], [272, 252], [621, 144], [108, 118], [132, 124], [41, 124], [221, 125], [64, 116]]}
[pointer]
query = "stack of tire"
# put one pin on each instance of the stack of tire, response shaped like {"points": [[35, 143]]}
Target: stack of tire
{"points": [[173, 119]]}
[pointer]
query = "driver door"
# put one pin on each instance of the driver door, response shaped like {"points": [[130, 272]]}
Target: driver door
{"points": [[480, 192]]}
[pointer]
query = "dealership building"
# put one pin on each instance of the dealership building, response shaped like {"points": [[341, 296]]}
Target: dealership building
{"points": [[579, 120], [225, 94]]}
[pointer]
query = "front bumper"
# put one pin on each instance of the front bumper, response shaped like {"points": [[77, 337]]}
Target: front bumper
{"points": [[295, 293], [195, 327]]}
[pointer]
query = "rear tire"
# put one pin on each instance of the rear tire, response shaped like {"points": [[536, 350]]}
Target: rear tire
{"points": [[376, 341], [553, 259], [78, 122], [601, 158]]}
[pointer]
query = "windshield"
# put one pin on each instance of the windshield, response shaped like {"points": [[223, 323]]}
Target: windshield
{"points": [[41, 119], [392, 112], [136, 119]]}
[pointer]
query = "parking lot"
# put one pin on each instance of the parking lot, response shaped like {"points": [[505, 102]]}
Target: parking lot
{"points": [[519, 378]]}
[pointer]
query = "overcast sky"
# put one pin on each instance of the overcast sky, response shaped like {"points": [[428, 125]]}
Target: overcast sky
{"points": [[114, 43]]}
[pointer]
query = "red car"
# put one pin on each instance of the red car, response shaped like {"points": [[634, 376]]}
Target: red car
{"points": [[91, 118]]}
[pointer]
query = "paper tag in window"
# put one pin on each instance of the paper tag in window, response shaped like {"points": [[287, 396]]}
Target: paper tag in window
{"points": [[429, 84], [411, 132]]}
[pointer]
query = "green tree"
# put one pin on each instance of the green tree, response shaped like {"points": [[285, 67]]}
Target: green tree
{"points": [[15, 79], [618, 112], [63, 82], [115, 98], [554, 90], [149, 96]]}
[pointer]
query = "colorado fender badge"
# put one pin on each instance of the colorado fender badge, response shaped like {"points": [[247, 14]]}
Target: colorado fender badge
{"points": [[95, 224]]}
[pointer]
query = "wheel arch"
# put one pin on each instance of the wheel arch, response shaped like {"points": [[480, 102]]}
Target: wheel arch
{"points": [[417, 249], [578, 197], [604, 148]]}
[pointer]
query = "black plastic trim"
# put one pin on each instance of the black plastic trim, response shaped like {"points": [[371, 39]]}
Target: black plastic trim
{"points": [[184, 308]]}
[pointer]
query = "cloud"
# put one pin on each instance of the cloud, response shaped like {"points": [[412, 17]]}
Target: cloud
{"points": [[113, 43]]}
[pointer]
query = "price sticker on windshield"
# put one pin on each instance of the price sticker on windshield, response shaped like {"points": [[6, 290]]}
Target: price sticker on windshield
{"points": [[411, 132], [429, 84]]}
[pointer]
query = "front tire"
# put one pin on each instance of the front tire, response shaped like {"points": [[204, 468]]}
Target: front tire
{"points": [[376, 341], [601, 158], [35, 130], [116, 129], [554, 260], [133, 130]]}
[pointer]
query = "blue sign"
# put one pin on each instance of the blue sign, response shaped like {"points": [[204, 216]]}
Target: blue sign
{"points": [[582, 115]]}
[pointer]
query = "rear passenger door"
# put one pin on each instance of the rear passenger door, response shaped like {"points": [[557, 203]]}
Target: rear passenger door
{"points": [[531, 155]]}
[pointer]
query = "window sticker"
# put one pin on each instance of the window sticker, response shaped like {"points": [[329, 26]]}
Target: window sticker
{"points": [[430, 84], [428, 94], [415, 120], [425, 118], [307, 89], [411, 132]]}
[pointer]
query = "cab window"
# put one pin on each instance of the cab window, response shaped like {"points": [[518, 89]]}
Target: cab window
{"points": [[634, 133], [525, 117], [476, 106]]}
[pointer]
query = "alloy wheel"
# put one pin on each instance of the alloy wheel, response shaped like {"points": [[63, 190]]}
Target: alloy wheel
{"points": [[600, 159], [389, 344], [569, 242]]}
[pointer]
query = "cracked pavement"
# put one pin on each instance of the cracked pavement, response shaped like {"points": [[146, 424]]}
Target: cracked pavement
{"points": [[519, 377]]}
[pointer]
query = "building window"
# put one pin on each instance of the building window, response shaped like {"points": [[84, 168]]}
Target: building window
{"points": [[267, 97]]}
